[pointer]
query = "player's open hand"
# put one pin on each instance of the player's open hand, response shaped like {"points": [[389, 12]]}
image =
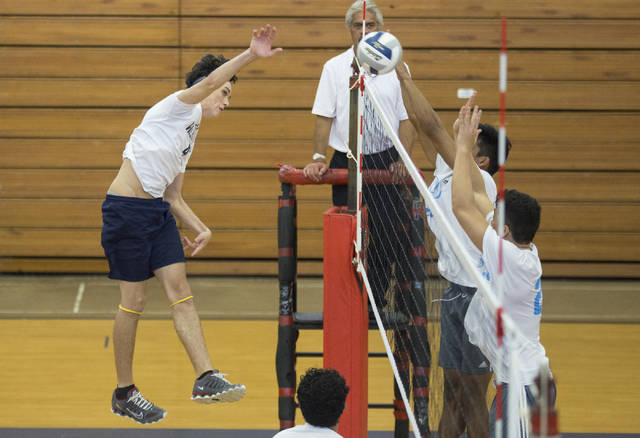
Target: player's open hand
{"points": [[467, 122], [262, 40], [456, 123], [199, 242]]}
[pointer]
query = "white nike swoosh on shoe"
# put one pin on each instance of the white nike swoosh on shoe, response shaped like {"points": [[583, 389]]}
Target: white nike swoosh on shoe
{"points": [[138, 416], [201, 388]]}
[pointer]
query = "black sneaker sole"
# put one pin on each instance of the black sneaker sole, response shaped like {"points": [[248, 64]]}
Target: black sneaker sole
{"points": [[164, 414], [230, 396]]}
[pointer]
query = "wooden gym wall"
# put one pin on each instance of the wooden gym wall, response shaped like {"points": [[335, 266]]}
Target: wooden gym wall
{"points": [[76, 77]]}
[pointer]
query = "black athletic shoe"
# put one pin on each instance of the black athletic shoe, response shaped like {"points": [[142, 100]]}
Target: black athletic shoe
{"points": [[136, 407], [215, 388]]}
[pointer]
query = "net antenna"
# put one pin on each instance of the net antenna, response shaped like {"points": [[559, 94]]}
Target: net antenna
{"points": [[502, 135], [360, 85]]}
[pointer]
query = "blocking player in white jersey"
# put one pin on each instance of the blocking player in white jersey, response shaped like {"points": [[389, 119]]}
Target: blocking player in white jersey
{"points": [[521, 272], [466, 370], [139, 234]]}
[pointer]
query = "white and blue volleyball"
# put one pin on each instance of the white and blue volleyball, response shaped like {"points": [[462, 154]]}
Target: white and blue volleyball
{"points": [[379, 52]]}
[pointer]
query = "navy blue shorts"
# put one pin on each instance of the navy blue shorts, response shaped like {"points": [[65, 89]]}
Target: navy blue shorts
{"points": [[456, 351], [138, 237]]}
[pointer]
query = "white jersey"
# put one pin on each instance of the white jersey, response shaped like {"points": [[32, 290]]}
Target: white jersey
{"points": [[332, 101], [448, 264], [161, 146], [522, 288], [308, 431]]}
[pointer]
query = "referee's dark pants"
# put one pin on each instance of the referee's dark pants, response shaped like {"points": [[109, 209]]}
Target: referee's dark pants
{"points": [[386, 211]]}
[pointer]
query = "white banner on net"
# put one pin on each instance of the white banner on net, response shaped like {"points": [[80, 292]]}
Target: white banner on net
{"points": [[490, 297]]}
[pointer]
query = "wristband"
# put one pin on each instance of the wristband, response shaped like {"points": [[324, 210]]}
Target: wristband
{"points": [[318, 156]]}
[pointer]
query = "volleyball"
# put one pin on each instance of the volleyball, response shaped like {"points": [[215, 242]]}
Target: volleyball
{"points": [[379, 52]]}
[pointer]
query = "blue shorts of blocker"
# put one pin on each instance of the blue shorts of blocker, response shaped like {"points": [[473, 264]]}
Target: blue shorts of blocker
{"points": [[138, 237]]}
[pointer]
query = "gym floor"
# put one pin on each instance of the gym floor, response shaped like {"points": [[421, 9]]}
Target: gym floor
{"points": [[58, 374]]}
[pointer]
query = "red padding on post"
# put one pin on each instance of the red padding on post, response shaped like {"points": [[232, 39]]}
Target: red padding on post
{"points": [[399, 410], [286, 424], [285, 252], [286, 202], [346, 320], [420, 392], [286, 392], [419, 321], [421, 371], [285, 320]]}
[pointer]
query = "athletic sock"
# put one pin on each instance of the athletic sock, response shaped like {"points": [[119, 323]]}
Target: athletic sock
{"points": [[121, 393]]}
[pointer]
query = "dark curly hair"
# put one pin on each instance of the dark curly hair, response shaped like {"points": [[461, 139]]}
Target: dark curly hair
{"points": [[488, 145], [322, 394], [204, 67], [522, 215]]}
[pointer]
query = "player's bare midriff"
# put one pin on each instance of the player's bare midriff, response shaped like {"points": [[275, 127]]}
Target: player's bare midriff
{"points": [[127, 183]]}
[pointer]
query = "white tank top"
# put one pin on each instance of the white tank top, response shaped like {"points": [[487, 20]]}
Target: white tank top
{"points": [[160, 147], [448, 264]]}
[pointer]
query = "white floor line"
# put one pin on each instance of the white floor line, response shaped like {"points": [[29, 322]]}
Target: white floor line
{"points": [[76, 305]]}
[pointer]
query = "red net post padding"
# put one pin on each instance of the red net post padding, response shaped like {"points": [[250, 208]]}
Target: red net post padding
{"points": [[346, 319]]}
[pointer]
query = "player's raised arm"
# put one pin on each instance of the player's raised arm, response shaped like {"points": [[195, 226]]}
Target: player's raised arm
{"points": [[260, 47], [430, 129], [470, 214]]}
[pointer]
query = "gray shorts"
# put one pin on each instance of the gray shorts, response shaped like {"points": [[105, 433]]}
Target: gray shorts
{"points": [[455, 349]]}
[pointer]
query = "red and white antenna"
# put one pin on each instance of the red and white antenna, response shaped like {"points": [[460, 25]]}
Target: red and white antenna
{"points": [[502, 149]]}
